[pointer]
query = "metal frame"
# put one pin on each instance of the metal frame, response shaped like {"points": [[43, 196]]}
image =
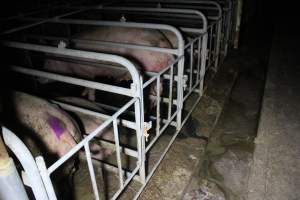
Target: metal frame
{"points": [[189, 79], [138, 126], [224, 9]]}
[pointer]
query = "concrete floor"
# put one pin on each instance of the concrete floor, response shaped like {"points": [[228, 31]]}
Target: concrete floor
{"points": [[276, 167], [224, 169]]}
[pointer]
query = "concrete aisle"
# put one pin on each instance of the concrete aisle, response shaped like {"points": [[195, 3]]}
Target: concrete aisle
{"points": [[275, 171]]}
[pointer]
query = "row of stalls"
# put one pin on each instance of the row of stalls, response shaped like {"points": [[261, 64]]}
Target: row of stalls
{"points": [[141, 108]]}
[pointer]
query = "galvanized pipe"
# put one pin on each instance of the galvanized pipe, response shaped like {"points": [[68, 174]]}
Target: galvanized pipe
{"points": [[27, 162]]}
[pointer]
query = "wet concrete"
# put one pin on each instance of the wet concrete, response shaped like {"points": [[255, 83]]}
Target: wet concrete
{"points": [[224, 168]]}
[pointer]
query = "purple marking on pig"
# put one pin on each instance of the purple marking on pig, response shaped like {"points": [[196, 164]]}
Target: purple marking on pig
{"points": [[56, 126]]}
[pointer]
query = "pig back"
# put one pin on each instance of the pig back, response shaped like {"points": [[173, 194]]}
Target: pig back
{"points": [[148, 60], [42, 124]]}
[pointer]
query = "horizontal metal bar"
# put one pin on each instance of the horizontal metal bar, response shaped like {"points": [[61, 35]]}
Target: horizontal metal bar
{"points": [[165, 121], [123, 149], [97, 132], [38, 22], [166, 76], [185, 2], [126, 123], [193, 30], [79, 54], [95, 43], [131, 176], [116, 24], [163, 99], [192, 109], [159, 161], [109, 167], [150, 145], [74, 81]]}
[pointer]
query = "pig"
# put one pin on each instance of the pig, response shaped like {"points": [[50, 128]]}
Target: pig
{"points": [[44, 123], [90, 123], [146, 60], [45, 128]]}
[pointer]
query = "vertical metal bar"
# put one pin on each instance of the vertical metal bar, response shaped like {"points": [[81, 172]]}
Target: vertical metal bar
{"points": [[170, 92], [116, 134], [45, 177], [210, 45], [218, 40], [157, 105], [28, 163], [191, 65], [180, 91], [139, 118], [199, 59], [238, 23], [203, 62], [91, 170]]}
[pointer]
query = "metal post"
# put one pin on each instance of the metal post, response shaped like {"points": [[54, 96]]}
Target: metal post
{"points": [[219, 27], [203, 62]]}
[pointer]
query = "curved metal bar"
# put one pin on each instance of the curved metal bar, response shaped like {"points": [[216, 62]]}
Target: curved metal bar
{"points": [[124, 24], [27, 162], [39, 22], [79, 54], [161, 10], [213, 3]]}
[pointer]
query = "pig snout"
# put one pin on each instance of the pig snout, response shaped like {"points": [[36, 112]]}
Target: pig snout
{"points": [[98, 151]]}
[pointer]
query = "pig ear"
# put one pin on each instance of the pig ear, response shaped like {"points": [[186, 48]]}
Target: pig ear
{"points": [[56, 125]]}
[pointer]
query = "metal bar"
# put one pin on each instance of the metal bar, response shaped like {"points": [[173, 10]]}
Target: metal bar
{"points": [[218, 41], [158, 104], [149, 146], [38, 22], [91, 170], [80, 54], [210, 46], [190, 91], [164, 3], [118, 153], [170, 92], [165, 121], [95, 43], [96, 132], [126, 183], [192, 109], [110, 167], [126, 123], [119, 24], [45, 177], [112, 145], [140, 137], [203, 62], [27, 161], [191, 65], [74, 81], [157, 164], [198, 58]]}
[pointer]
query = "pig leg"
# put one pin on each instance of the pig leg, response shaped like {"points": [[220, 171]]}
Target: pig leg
{"points": [[90, 93]]}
